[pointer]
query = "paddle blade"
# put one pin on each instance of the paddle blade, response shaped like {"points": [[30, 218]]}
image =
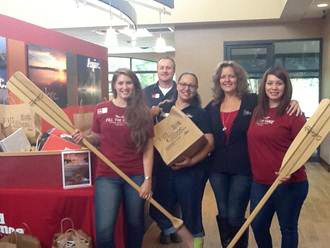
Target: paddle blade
{"points": [[308, 139], [29, 93]]}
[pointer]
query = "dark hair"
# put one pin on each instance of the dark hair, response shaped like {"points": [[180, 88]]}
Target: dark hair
{"points": [[263, 100], [167, 58], [196, 100], [240, 73], [137, 115]]}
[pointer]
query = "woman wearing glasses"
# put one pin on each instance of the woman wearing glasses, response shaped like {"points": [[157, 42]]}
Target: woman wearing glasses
{"points": [[189, 175]]}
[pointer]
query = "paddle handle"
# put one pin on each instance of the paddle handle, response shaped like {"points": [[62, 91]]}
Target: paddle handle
{"points": [[176, 222]]}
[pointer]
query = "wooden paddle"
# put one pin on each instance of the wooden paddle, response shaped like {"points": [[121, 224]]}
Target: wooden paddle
{"points": [[29, 93], [302, 147]]}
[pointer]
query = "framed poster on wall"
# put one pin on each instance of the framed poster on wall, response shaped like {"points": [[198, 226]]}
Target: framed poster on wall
{"points": [[3, 71], [89, 80], [47, 68]]}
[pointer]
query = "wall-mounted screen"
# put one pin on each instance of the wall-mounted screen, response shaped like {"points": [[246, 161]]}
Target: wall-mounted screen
{"points": [[47, 68]]}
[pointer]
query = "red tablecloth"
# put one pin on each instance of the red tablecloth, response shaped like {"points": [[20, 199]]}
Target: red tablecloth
{"points": [[43, 209], [31, 192]]}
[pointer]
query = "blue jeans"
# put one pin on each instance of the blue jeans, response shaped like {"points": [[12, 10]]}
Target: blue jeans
{"points": [[286, 202], [189, 185], [109, 192], [162, 192], [232, 194], [184, 187]]}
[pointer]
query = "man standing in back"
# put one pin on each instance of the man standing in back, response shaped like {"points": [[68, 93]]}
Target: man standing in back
{"points": [[156, 94], [165, 88]]}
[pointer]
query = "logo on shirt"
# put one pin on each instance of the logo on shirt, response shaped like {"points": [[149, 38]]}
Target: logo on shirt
{"points": [[265, 121], [117, 120]]}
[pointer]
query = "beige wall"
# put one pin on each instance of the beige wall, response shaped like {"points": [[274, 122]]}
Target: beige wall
{"points": [[200, 49], [202, 11], [325, 87]]}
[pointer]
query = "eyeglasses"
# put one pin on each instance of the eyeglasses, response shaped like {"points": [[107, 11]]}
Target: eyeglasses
{"points": [[189, 86]]}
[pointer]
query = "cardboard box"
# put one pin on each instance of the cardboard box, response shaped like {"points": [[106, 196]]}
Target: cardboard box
{"points": [[177, 136], [17, 116]]}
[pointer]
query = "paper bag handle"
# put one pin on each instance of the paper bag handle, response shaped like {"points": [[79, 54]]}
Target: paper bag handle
{"points": [[69, 220], [27, 229]]}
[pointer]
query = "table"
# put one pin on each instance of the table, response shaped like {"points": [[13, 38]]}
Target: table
{"points": [[31, 192], [43, 209]]}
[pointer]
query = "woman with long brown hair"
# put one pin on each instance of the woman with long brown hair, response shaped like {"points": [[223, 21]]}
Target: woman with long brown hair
{"points": [[123, 129], [270, 134]]}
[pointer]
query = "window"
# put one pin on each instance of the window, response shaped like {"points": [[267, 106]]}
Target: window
{"points": [[301, 58], [145, 70]]}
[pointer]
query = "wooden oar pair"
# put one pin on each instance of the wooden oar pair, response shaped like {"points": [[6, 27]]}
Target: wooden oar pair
{"points": [[29, 93], [307, 140]]}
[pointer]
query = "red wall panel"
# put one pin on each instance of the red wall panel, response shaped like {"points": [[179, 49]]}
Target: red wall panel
{"points": [[29, 33]]}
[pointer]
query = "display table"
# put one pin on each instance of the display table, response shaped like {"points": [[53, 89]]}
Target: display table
{"points": [[31, 192], [43, 209]]}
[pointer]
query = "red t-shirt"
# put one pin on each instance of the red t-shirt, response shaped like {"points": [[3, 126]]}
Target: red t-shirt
{"points": [[268, 141], [115, 141]]}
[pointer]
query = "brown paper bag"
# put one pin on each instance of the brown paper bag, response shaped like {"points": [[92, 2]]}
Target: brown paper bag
{"points": [[18, 240], [71, 237], [15, 116], [5, 243], [177, 136]]}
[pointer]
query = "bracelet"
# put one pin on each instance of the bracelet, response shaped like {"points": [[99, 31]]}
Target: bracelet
{"points": [[147, 178]]}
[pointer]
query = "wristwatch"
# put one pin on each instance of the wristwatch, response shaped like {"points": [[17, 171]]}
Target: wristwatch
{"points": [[147, 178]]}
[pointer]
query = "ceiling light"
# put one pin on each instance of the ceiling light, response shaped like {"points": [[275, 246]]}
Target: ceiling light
{"points": [[160, 45], [111, 39], [322, 5], [160, 42]]}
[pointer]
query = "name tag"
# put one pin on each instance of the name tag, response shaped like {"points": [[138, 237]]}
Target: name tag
{"points": [[157, 95], [102, 110], [246, 112]]}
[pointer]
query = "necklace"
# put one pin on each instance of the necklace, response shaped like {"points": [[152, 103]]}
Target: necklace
{"points": [[231, 106], [225, 117], [227, 120]]}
